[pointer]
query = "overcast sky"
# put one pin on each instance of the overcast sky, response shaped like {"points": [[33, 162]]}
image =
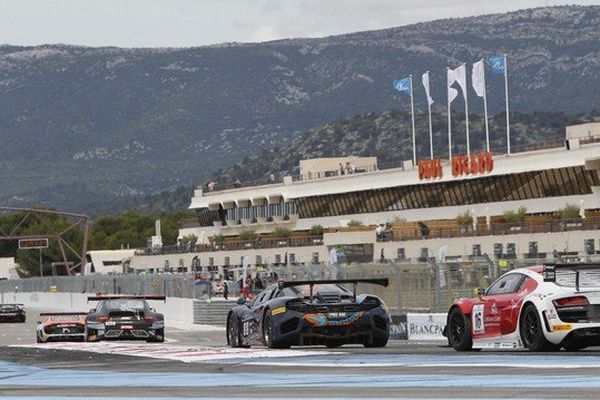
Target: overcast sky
{"points": [[182, 23]]}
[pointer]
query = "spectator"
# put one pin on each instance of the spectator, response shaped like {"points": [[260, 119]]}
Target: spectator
{"points": [[348, 170], [380, 231], [237, 183], [272, 178], [352, 168], [342, 172], [211, 186], [225, 289]]}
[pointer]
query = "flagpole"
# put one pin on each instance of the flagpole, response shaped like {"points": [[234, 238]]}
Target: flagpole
{"points": [[449, 122], [467, 117], [412, 112], [507, 115], [485, 111], [430, 132]]}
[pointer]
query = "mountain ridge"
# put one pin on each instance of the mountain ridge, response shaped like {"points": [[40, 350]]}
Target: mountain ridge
{"points": [[84, 126]]}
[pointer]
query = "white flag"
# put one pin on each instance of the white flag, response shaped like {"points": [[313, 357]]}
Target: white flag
{"points": [[461, 78], [452, 93], [478, 78], [426, 86]]}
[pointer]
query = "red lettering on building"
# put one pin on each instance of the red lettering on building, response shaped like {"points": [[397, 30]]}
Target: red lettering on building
{"points": [[430, 169], [474, 164]]}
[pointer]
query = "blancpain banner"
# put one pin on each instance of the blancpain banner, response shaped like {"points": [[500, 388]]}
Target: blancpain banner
{"points": [[426, 326]]}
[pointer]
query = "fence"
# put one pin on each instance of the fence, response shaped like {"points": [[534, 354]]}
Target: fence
{"points": [[180, 285], [427, 287]]}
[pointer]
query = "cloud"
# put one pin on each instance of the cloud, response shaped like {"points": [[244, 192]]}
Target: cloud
{"points": [[264, 34], [181, 23]]}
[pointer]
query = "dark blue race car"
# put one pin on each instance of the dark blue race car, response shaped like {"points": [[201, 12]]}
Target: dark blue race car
{"points": [[12, 313], [310, 313]]}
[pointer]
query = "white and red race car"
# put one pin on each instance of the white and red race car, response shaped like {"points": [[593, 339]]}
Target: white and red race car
{"points": [[541, 308]]}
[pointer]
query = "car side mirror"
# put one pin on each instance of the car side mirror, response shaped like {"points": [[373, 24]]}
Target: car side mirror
{"points": [[92, 310], [241, 300], [480, 292], [39, 322], [153, 309]]}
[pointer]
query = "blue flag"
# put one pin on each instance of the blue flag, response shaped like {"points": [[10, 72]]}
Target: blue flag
{"points": [[498, 65], [402, 85]]}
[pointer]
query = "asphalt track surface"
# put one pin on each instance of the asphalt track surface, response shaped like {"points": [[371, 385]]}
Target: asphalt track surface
{"points": [[195, 363]]}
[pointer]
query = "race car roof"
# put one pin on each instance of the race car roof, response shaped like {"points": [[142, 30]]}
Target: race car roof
{"points": [[118, 296]]}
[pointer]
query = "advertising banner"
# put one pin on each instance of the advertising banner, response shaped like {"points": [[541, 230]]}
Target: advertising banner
{"points": [[425, 326]]}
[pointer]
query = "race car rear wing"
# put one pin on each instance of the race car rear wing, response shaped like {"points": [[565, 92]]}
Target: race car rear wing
{"points": [[375, 281], [550, 270], [125, 296], [52, 314]]}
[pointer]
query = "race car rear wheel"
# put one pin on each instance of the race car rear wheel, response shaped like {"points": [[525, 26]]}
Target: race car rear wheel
{"points": [[332, 344], [532, 333], [233, 331], [268, 334], [459, 331], [91, 337], [376, 342], [575, 346], [38, 339], [158, 338]]}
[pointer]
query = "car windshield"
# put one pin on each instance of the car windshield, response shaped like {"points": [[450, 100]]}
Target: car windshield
{"points": [[304, 290], [124, 304], [8, 308]]}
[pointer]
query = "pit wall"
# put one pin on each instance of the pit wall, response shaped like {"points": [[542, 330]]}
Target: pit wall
{"points": [[176, 310]]}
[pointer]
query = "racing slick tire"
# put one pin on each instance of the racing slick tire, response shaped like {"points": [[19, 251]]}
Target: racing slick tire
{"points": [[531, 330], [268, 330], [574, 346], [38, 339], [459, 331], [159, 332], [234, 338], [380, 341], [332, 344], [87, 338]]}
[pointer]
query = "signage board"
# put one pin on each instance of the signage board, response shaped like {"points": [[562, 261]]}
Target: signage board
{"points": [[34, 243], [426, 326]]}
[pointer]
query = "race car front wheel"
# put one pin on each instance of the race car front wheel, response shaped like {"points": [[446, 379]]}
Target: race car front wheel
{"points": [[532, 333], [459, 331], [233, 331]]}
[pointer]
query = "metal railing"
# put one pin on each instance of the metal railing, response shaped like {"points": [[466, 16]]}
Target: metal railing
{"points": [[266, 243], [494, 229]]}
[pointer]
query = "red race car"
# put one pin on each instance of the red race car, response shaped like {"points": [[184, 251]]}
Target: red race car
{"points": [[540, 308], [61, 326]]}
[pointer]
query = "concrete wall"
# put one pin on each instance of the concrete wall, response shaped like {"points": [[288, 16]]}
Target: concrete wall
{"points": [[176, 310]]}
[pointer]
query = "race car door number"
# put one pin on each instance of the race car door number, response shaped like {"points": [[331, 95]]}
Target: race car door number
{"points": [[477, 318]]}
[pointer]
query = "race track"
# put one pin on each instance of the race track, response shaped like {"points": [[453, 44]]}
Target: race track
{"points": [[196, 363]]}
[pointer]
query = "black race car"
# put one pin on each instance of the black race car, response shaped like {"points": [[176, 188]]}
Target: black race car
{"points": [[124, 318], [310, 313], [12, 313]]}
